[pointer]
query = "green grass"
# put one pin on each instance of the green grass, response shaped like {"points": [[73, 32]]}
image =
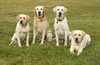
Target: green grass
{"points": [[82, 14]]}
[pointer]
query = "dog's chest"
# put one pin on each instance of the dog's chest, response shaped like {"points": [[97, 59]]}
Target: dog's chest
{"points": [[22, 33], [77, 46], [40, 26], [23, 30], [60, 28]]}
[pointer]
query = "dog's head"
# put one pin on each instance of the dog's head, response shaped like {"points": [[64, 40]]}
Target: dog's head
{"points": [[59, 11], [39, 11], [23, 19], [78, 35]]}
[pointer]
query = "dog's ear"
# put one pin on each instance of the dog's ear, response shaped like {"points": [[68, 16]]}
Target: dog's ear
{"points": [[65, 9], [34, 10], [83, 33], [44, 12], [28, 18], [54, 9], [72, 33], [17, 17]]}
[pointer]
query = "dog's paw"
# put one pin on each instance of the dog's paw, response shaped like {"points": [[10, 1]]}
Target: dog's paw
{"points": [[33, 42], [65, 44], [57, 45], [78, 54], [20, 45], [71, 51], [9, 44], [41, 43], [27, 45]]}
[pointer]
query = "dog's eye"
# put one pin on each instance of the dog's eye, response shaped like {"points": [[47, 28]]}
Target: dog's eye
{"points": [[23, 17], [37, 9], [20, 17], [62, 9], [57, 9], [41, 8], [75, 34], [79, 34]]}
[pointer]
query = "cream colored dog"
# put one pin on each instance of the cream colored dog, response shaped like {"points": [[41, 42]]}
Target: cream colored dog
{"points": [[79, 40], [22, 30], [60, 25], [41, 27]]}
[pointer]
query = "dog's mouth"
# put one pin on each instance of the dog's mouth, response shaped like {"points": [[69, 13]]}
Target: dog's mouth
{"points": [[60, 14], [60, 18], [76, 40], [39, 14], [23, 23]]}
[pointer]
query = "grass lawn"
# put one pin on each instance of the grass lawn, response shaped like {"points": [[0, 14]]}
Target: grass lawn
{"points": [[82, 14]]}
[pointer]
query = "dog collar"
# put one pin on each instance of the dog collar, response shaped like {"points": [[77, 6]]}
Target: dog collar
{"points": [[60, 19], [23, 25], [40, 18], [79, 42]]}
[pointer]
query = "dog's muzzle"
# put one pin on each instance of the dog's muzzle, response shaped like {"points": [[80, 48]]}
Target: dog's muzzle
{"points": [[76, 39], [60, 14], [21, 22], [39, 13]]}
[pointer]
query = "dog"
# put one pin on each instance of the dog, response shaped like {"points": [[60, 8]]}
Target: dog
{"points": [[79, 40], [41, 27], [60, 25], [22, 30]]}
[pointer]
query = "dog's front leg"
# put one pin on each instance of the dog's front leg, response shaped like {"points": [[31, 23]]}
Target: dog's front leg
{"points": [[57, 39], [66, 36], [79, 51], [82, 46], [11, 42], [34, 36], [19, 42], [43, 36], [13, 39], [27, 40], [72, 49]]}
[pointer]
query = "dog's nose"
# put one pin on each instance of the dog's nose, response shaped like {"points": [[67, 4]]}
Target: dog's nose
{"points": [[59, 13], [76, 39], [21, 22], [39, 13]]}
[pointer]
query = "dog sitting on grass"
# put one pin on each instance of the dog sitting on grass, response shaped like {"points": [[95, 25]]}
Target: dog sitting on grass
{"points": [[41, 28], [60, 25], [22, 30]]}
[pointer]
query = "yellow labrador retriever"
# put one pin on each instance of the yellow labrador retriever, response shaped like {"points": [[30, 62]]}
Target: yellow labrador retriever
{"points": [[22, 30], [79, 40], [40, 26]]}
